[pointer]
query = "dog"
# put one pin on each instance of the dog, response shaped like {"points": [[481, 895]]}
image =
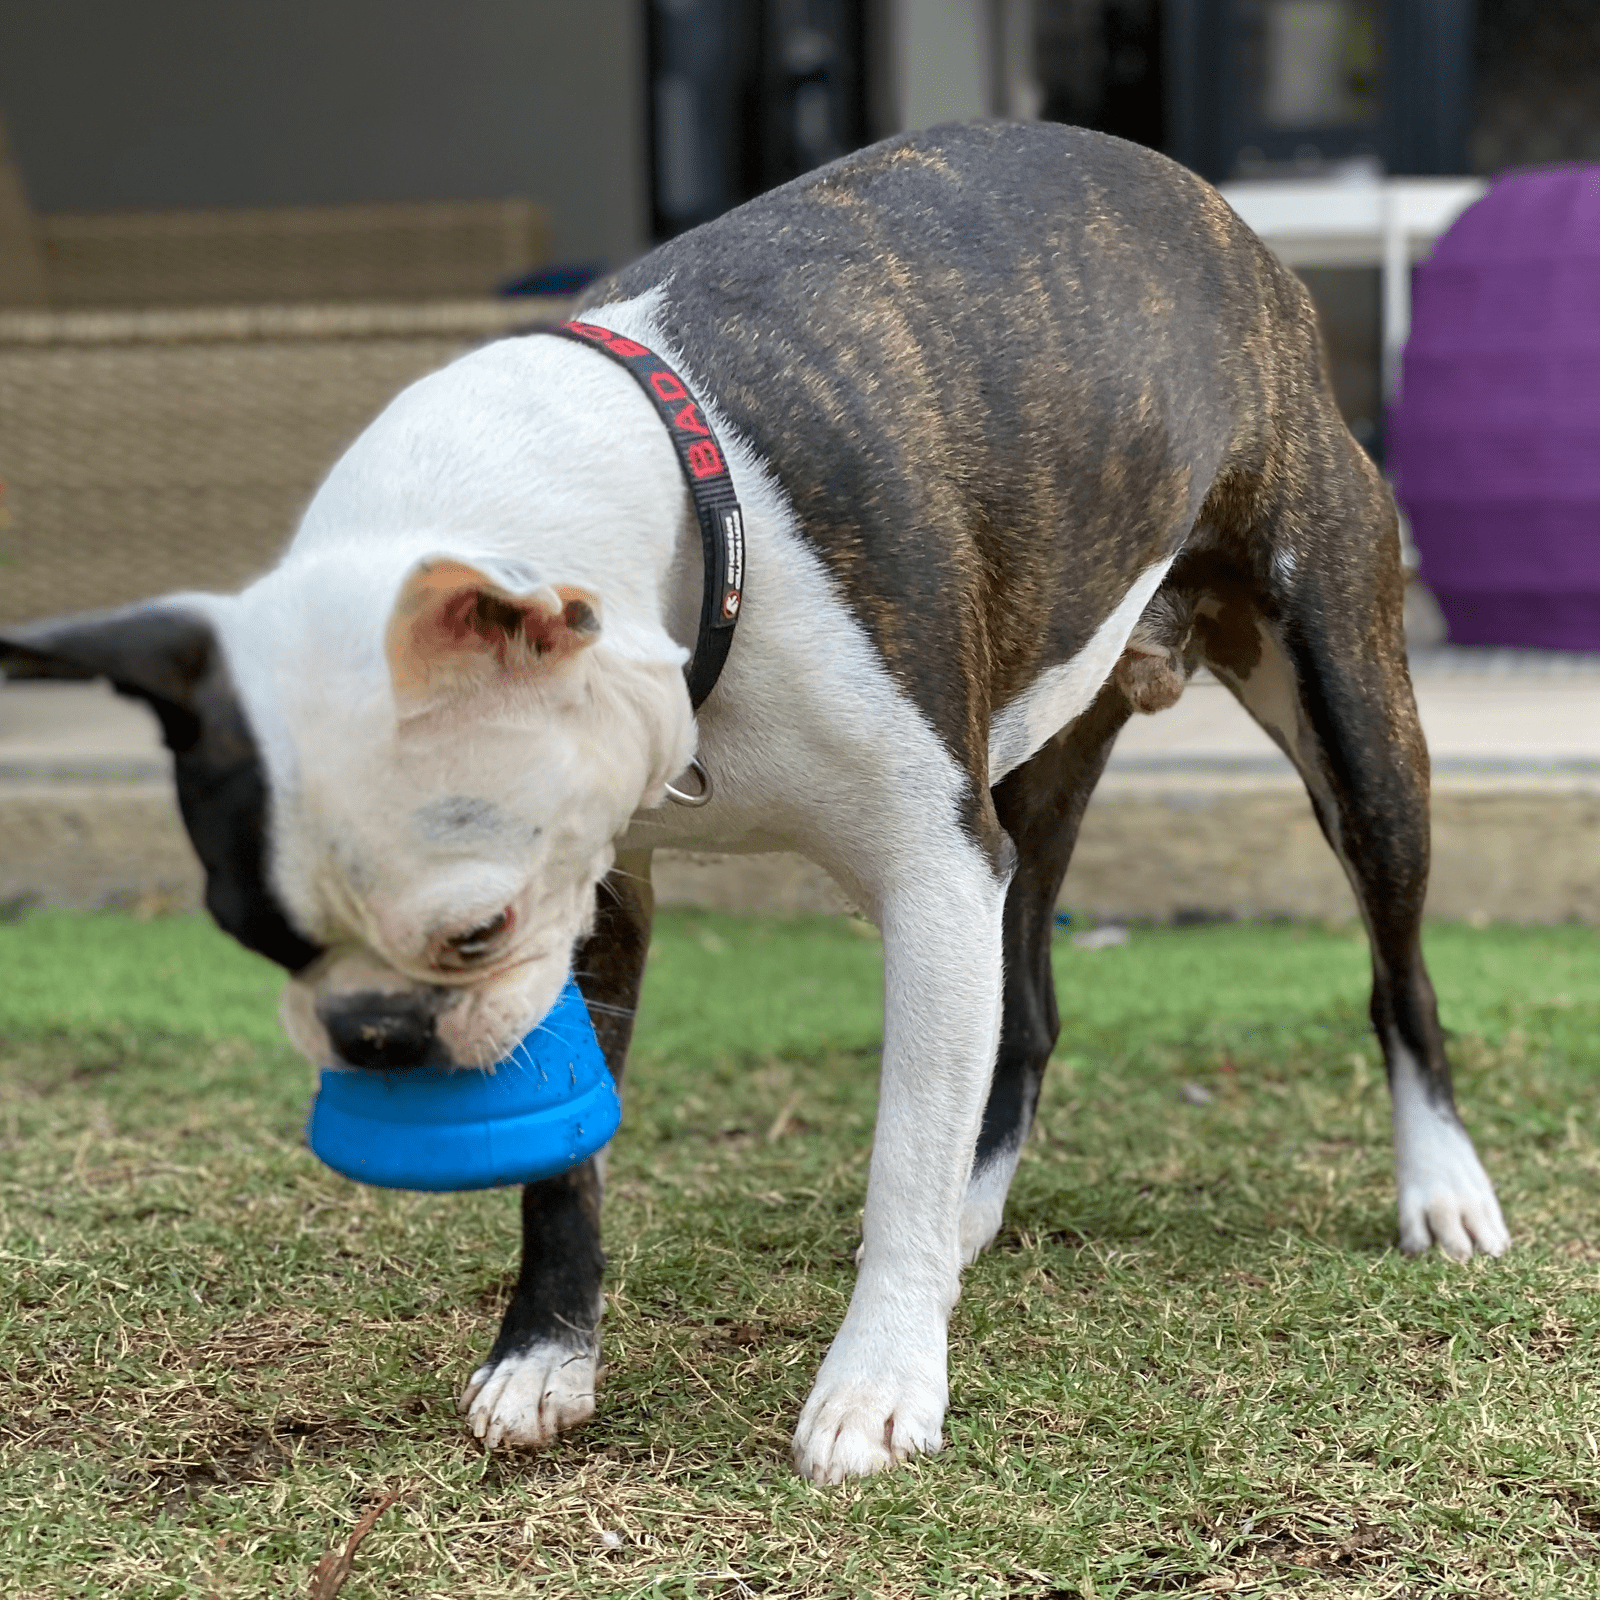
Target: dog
{"points": [[1024, 427]]}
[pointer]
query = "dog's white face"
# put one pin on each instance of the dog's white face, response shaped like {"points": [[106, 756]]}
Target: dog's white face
{"points": [[462, 690], [444, 843], [412, 744]]}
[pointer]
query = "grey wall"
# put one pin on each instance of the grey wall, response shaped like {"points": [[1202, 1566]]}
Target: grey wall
{"points": [[117, 103]]}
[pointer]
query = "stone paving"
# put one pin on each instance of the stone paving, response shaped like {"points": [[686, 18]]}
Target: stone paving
{"points": [[1199, 815]]}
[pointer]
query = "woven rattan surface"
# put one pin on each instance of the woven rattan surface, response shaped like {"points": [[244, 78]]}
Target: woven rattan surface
{"points": [[147, 452], [451, 249]]}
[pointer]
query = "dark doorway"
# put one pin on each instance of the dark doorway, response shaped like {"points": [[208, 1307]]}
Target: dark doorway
{"points": [[1285, 88], [1537, 97], [1099, 65], [746, 94]]}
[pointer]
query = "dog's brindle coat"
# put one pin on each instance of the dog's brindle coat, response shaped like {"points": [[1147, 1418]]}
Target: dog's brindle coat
{"points": [[1003, 376]]}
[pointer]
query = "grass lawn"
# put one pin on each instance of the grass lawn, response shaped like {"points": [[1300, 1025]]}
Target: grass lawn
{"points": [[1193, 1364]]}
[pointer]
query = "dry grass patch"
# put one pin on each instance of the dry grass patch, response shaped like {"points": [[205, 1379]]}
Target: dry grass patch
{"points": [[1192, 1365]]}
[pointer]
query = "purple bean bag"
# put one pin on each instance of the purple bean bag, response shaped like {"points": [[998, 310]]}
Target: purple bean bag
{"points": [[1495, 440]]}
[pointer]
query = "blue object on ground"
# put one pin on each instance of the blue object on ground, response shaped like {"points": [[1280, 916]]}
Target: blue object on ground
{"points": [[549, 1105]]}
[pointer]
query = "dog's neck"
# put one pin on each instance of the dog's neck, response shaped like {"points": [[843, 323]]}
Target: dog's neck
{"points": [[593, 498]]}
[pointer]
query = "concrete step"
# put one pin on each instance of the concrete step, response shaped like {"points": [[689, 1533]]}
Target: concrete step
{"points": [[1198, 816]]}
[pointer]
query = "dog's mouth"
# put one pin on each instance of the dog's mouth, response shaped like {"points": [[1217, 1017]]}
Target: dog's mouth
{"points": [[353, 1013]]}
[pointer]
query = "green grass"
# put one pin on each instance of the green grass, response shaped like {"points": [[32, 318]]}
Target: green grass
{"points": [[1193, 1364]]}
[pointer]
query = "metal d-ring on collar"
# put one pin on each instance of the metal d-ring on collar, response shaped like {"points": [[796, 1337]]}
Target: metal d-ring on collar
{"points": [[716, 506], [703, 794]]}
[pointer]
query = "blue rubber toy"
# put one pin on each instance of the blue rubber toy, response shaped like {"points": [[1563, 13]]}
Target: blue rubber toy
{"points": [[547, 1106]]}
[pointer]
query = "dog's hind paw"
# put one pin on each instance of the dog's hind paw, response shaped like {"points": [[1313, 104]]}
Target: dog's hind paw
{"points": [[522, 1401], [1461, 1223], [1445, 1196], [852, 1427]]}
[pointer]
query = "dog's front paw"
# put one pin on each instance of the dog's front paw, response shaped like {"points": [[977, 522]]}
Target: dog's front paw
{"points": [[1445, 1195], [858, 1422], [523, 1401]]}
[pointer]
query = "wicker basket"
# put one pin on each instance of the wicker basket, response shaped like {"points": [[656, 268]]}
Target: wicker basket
{"points": [[159, 450], [288, 254]]}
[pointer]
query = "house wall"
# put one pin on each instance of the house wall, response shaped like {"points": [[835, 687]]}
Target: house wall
{"points": [[222, 102]]}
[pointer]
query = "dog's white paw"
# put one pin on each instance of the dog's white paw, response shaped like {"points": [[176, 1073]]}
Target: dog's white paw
{"points": [[984, 1207], [523, 1401], [981, 1217], [859, 1421], [1445, 1195]]}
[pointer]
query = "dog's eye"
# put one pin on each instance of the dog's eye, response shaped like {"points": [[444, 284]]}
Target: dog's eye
{"points": [[465, 949]]}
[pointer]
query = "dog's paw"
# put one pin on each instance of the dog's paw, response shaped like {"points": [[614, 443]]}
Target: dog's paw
{"points": [[1445, 1195], [984, 1207], [522, 1401], [855, 1423], [981, 1217]]}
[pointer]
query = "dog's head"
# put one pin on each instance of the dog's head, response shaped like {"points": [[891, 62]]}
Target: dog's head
{"points": [[412, 819], [404, 754]]}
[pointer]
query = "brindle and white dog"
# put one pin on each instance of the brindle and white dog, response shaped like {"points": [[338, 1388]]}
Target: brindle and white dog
{"points": [[1026, 426]]}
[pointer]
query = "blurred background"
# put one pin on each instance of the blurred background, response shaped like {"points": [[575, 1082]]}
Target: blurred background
{"points": [[229, 233]]}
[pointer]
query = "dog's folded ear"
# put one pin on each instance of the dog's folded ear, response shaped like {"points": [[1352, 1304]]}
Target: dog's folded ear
{"points": [[454, 625], [166, 653]]}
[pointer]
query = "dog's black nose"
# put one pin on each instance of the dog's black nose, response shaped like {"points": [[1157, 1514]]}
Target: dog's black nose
{"points": [[384, 1030]]}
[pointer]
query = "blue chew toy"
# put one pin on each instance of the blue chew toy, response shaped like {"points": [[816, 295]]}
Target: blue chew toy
{"points": [[549, 1105]]}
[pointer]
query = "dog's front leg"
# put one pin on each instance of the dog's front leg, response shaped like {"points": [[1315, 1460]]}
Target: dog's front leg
{"points": [[540, 1377], [880, 1395]]}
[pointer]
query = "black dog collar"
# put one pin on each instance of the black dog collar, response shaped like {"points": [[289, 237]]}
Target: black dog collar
{"points": [[705, 470]]}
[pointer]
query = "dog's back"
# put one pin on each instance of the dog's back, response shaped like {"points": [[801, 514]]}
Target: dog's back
{"points": [[998, 370]]}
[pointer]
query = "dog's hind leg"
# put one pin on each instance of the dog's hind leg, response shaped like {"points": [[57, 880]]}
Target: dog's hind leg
{"points": [[1311, 642], [539, 1379], [1040, 805]]}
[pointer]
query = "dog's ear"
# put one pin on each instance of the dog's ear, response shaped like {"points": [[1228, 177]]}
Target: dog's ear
{"points": [[454, 624], [155, 652], [167, 655]]}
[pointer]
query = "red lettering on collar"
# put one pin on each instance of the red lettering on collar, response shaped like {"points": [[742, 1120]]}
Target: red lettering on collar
{"points": [[612, 341], [705, 460], [668, 386], [688, 421]]}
